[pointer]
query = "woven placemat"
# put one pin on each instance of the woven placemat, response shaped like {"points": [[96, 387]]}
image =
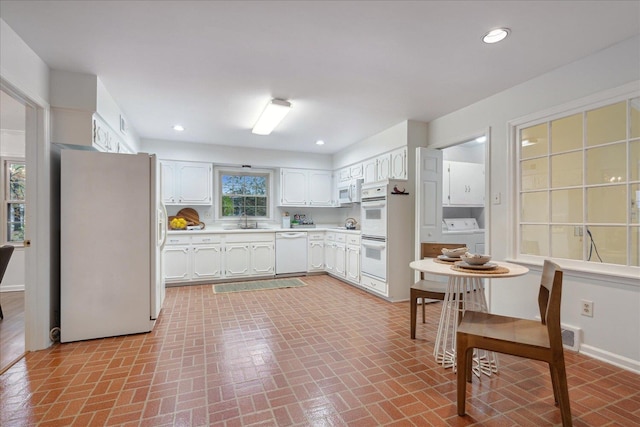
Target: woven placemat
{"points": [[497, 270], [441, 261]]}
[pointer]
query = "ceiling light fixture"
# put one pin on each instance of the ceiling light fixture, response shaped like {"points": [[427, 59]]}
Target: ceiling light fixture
{"points": [[319, 142], [494, 36], [272, 115], [179, 128]]}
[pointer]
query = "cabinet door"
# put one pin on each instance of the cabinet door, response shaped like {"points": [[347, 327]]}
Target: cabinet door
{"points": [[399, 163], [466, 183], [353, 263], [320, 188], [356, 171], [168, 181], [340, 260], [207, 262], [344, 175], [330, 257], [370, 170], [293, 187], [237, 260], [263, 258], [177, 264], [315, 256], [384, 167], [194, 183]]}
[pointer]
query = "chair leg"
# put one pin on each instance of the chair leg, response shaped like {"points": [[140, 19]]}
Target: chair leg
{"points": [[464, 358], [414, 308], [424, 318], [1, 315], [563, 392], [554, 384]]}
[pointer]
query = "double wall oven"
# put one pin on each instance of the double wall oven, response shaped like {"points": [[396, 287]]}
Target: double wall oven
{"points": [[373, 227]]}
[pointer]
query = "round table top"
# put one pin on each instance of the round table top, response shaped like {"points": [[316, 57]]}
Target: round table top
{"points": [[428, 265]]}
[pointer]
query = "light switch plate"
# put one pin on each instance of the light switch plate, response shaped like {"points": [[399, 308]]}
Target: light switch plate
{"points": [[496, 198]]}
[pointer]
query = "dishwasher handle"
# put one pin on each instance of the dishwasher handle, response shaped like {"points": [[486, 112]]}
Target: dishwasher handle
{"points": [[291, 235]]}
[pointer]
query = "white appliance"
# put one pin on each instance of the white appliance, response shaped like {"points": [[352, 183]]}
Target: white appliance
{"points": [[386, 227], [463, 230], [291, 252], [349, 192], [373, 209], [112, 231]]}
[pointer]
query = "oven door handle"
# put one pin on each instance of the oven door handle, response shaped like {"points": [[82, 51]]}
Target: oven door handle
{"points": [[369, 205], [374, 245]]}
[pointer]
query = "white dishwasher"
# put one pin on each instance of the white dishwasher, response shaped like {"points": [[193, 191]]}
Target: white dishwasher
{"points": [[291, 252]]}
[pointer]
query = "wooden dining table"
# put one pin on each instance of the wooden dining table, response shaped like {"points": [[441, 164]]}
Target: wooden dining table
{"points": [[465, 291]]}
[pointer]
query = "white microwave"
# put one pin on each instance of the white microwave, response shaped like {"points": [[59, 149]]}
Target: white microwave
{"points": [[349, 192]]}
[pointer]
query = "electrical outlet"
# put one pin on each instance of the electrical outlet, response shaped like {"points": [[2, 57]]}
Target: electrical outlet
{"points": [[586, 308], [496, 198], [207, 213]]}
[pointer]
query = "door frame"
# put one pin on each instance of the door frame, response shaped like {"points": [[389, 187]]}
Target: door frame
{"points": [[38, 272]]}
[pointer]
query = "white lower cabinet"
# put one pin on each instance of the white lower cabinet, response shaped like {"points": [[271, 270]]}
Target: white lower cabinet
{"points": [[315, 251], [342, 256], [330, 252], [237, 259], [194, 258], [177, 263], [206, 256], [263, 257], [352, 259]]}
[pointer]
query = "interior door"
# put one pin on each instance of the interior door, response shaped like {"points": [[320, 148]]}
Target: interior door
{"points": [[429, 190]]}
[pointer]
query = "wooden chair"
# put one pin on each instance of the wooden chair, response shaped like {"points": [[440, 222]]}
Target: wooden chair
{"points": [[429, 289], [5, 256], [520, 337]]}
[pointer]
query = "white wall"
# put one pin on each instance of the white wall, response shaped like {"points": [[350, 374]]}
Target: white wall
{"points": [[613, 333]]}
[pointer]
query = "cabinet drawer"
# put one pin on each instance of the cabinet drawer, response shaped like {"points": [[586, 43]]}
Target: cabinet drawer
{"points": [[375, 285], [353, 239], [330, 236], [178, 240], [315, 235], [340, 237], [251, 237], [205, 239]]}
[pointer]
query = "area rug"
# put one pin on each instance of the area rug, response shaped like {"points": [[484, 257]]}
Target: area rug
{"points": [[257, 285]]}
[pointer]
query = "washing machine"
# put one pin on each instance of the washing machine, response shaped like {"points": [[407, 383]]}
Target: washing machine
{"points": [[463, 230]]}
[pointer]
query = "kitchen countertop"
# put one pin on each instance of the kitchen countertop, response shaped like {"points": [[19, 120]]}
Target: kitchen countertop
{"points": [[260, 230]]}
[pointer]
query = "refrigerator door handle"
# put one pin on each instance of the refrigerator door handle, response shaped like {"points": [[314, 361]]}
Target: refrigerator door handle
{"points": [[163, 226]]}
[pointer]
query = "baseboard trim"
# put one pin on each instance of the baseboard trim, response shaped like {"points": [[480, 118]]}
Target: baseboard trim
{"points": [[12, 288], [614, 359]]}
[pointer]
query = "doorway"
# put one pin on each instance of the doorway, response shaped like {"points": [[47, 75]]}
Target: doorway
{"points": [[13, 114], [452, 183]]}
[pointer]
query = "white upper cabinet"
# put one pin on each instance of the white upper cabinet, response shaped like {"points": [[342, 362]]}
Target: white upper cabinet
{"points": [[399, 163], [301, 187], [356, 171], [464, 185], [370, 170], [384, 167], [187, 183]]}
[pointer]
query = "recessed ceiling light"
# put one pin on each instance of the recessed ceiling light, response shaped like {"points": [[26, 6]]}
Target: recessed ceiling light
{"points": [[494, 36], [319, 142], [179, 128]]}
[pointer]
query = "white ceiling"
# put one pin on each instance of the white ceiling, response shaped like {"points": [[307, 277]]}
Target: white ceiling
{"points": [[350, 68]]}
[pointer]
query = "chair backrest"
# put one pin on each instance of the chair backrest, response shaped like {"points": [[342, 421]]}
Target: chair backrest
{"points": [[5, 256], [432, 250], [549, 299]]}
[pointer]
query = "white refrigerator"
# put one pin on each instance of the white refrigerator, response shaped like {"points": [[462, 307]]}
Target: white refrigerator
{"points": [[112, 232]]}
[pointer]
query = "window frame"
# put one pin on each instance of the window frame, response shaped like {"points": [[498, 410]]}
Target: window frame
{"points": [[234, 170], [6, 201], [625, 273]]}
